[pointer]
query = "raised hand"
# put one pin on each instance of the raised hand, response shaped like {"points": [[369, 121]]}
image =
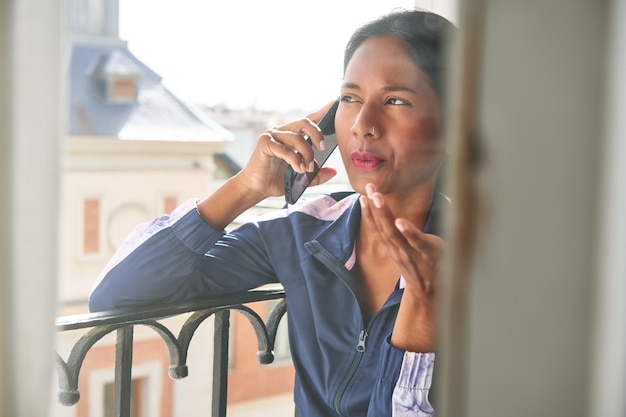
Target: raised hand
{"points": [[263, 175], [417, 255], [280, 146]]}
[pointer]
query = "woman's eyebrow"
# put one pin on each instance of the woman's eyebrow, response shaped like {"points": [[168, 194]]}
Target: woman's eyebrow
{"points": [[391, 88], [350, 85]]}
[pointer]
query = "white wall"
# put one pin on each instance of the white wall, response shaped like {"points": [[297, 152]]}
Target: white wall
{"points": [[30, 108], [131, 180], [543, 332], [6, 393], [608, 365]]}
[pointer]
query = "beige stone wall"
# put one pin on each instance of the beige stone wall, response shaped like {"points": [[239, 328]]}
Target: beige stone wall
{"points": [[133, 183]]}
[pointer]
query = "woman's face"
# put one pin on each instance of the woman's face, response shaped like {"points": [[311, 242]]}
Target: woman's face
{"points": [[387, 123]]}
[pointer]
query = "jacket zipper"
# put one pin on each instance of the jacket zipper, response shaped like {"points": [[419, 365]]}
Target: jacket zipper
{"points": [[354, 366], [323, 256], [339, 270], [360, 349]]}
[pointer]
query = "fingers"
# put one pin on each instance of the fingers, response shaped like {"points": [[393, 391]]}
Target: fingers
{"points": [[378, 218], [416, 253], [290, 147], [383, 217], [398, 230], [316, 117], [293, 143], [430, 245]]}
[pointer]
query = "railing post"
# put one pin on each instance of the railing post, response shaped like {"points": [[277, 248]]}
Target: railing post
{"points": [[220, 363], [123, 371]]}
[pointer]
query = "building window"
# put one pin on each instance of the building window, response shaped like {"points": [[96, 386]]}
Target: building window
{"points": [[120, 74], [151, 389], [136, 398], [91, 226], [122, 89]]}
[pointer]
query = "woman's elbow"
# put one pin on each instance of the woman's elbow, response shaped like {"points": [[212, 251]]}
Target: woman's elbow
{"points": [[100, 300]]}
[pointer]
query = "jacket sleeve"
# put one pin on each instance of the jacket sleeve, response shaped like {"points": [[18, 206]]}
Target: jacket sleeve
{"points": [[179, 257], [404, 384]]}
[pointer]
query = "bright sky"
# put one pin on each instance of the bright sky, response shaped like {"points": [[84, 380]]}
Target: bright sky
{"points": [[277, 54]]}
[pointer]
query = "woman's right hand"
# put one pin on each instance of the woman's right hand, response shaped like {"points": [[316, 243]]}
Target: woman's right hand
{"points": [[281, 146], [263, 175]]}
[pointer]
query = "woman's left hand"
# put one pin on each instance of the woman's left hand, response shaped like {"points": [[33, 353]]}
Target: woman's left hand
{"points": [[417, 256]]}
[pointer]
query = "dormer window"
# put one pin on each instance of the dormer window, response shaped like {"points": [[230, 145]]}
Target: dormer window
{"points": [[121, 77], [122, 89]]}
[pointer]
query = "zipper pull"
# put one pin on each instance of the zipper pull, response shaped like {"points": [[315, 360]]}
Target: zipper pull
{"points": [[361, 345]]}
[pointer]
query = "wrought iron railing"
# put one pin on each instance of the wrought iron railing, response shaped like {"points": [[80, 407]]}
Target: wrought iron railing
{"points": [[123, 322]]}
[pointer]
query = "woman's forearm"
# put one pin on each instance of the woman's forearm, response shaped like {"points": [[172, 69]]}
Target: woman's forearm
{"points": [[416, 325], [227, 202]]}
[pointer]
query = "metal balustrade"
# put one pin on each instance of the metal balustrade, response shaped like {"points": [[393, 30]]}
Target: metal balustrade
{"points": [[123, 322]]}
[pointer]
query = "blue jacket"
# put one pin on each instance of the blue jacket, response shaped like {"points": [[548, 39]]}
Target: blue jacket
{"points": [[344, 366]]}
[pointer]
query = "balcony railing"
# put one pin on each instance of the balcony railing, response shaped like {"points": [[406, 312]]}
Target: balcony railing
{"points": [[123, 322]]}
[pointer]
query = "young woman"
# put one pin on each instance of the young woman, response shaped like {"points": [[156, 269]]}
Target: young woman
{"points": [[360, 273]]}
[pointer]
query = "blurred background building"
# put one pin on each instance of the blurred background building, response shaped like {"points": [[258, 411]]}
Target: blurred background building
{"points": [[134, 151]]}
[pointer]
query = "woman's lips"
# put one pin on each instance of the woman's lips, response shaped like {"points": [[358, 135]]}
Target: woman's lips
{"points": [[366, 160]]}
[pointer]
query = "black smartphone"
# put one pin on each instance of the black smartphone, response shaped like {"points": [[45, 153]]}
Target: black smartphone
{"points": [[296, 183]]}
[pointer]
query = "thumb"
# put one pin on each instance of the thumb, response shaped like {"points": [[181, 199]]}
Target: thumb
{"points": [[324, 174]]}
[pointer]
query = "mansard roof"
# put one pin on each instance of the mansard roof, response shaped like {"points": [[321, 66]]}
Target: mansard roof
{"points": [[156, 114]]}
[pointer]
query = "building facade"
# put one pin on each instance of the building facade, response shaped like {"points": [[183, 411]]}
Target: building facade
{"points": [[132, 152]]}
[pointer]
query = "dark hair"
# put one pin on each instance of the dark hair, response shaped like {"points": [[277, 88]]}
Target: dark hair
{"points": [[423, 33]]}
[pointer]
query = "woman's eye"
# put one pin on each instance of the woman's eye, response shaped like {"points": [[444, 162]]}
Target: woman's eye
{"points": [[347, 98], [397, 101]]}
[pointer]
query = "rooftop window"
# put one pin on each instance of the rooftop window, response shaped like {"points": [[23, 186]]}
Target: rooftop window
{"points": [[121, 76]]}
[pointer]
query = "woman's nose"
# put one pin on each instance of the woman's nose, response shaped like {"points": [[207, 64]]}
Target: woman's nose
{"points": [[367, 125]]}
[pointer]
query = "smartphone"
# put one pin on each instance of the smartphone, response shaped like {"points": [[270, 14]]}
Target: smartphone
{"points": [[296, 183]]}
